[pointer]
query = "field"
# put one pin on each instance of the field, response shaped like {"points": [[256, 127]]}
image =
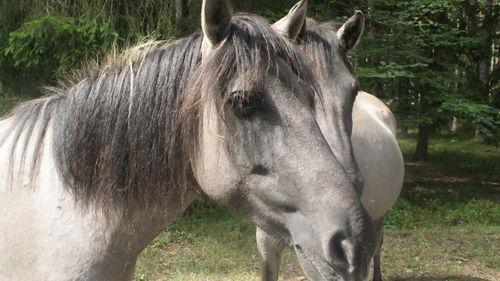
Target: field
{"points": [[445, 227]]}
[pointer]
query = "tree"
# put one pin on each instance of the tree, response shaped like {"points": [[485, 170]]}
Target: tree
{"points": [[414, 64], [429, 60]]}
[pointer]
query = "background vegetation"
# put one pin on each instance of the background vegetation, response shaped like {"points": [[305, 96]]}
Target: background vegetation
{"points": [[434, 62]]}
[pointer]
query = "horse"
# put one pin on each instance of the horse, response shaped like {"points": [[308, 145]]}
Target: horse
{"points": [[372, 132], [94, 170]]}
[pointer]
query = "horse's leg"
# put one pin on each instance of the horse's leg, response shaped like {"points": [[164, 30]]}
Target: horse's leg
{"points": [[379, 228], [270, 250]]}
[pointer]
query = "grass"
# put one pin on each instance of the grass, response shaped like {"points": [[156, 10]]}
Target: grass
{"points": [[219, 246], [442, 253], [222, 247], [446, 226], [197, 246], [469, 155]]}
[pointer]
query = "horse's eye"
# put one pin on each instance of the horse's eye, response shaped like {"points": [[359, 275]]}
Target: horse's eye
{"points": [[245, 103]]}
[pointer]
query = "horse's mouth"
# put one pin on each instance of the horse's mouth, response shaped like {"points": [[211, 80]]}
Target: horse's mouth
{"points": [[324, 272], [312, 270]]}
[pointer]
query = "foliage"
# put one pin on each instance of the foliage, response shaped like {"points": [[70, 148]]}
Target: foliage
{"points": [[52, 45], [423, 58], [428, 60], [89, 27], [484, 116]]}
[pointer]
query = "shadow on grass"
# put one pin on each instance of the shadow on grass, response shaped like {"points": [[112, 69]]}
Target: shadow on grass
{"points": [[468, 162], [463, 157], [437, 196], [425, 173], [439, 278]]}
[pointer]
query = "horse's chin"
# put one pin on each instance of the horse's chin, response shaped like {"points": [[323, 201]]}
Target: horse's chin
{"points": [[321, 270], [312, 271]]}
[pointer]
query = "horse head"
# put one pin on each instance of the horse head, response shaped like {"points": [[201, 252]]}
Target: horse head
{"points": [[261, 151]]}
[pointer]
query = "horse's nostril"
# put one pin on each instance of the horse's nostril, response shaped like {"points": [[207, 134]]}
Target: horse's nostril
{"points": [[289, 209], [260, 170], [337, 248], [298, 247]]}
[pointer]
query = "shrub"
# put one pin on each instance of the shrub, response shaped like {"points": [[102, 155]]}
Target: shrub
{"points": [[52, 45]]}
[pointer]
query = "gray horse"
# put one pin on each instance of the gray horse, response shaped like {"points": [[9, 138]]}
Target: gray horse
{"points": [[93, 171], [374, 147]]}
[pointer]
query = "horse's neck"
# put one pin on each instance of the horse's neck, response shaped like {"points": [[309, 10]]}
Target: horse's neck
{"points": [[334, 119], [46, 233]]}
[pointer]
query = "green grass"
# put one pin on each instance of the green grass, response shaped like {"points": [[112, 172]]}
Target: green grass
{"points": [[464, 253], [221, 247], [425, 206], [446, 226], [466, 190], [462, 155], [216, 244]]}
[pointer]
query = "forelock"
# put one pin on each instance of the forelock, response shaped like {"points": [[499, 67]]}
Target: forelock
{"points": [[251, 50], [320, 43]]}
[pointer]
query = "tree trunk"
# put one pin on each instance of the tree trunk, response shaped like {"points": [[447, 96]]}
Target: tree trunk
{"points": [[422, 143], [488, 25], [478, 134], [404, 130], [180, 9], [454, 125]]}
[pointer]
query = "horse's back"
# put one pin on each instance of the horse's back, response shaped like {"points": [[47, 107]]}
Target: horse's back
{"points": [[41, 226], [46, 234], [377, 153], [25, 210]]}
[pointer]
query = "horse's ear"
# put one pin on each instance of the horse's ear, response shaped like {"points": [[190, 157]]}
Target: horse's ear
{"points": [[294, 22], [350, 33], [216, 20]]}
